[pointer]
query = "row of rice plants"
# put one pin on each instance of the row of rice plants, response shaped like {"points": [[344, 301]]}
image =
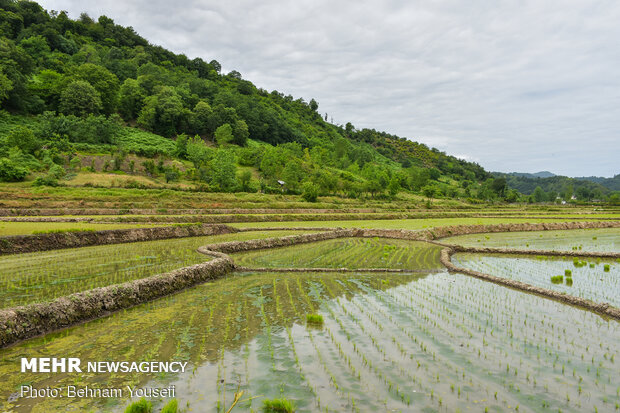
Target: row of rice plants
{"points": [[388, 342], [43, 276], [598, 239], [514, 341], [594, 279]]}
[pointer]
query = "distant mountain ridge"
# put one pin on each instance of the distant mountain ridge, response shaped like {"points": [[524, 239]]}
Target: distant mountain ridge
{"points": [[541, 174], [611, 183], [527, 183]]}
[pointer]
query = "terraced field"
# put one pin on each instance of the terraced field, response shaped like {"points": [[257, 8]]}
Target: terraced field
{"points": [[347, 252], [42, 276], [603, 240], [594, 279], [26, 228], [387, 343], [412, 224]]}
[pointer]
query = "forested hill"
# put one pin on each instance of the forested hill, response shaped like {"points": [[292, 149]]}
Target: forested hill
{"points": [[74, 87]]}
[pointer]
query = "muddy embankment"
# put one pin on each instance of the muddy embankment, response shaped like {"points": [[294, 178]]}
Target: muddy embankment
{"points": [[57, 240], [256, 244], [449, 231]]}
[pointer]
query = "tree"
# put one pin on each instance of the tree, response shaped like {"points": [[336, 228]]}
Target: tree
{"points": [[224, 134], [181, 146], [314, 106], [393, 186], [79, 98], [240, 133], [48, 84], [224, 170], [163, 112], [293, 174], [131, 99], [22, 137], [538, 195], [197, 152], [216, 66], [310, 192], [201, 118], [429, 191], [499, 186], [104, 81], [244, 179], [5, 86]]}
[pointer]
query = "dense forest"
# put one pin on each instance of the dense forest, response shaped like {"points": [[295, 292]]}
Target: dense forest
{"points": [[75, 90]]}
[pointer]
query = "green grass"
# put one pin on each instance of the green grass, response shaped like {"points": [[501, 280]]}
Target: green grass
{"points": [[347, 252], [26, 228]]}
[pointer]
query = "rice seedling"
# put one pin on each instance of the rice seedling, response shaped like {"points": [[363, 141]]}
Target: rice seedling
{"points": [[314, 319], [278, 406]]}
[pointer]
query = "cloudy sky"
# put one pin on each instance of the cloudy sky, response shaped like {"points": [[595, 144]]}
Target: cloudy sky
{"points": [[514, 85]]}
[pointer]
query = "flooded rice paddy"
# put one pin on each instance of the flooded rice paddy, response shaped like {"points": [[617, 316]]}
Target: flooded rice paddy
{"points": [[602, 240], [595, 279], [440, 342], [349, 253], [430, 342], [43, 276]]}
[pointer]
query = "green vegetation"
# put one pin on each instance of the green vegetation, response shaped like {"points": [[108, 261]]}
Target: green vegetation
{"points": [[84, 89], [389, 342], [278, 406], [557, 279], [314, 319], [26, 228], [555, 189], [347, 252], [42, 276], [412, 224], [141, 406]]}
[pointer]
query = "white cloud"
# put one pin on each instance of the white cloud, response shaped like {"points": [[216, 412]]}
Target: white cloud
{"points": [[517, 86]]}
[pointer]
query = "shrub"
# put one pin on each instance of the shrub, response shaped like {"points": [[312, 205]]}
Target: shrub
{"points": [[310, 192], [56, 171], [10, 171]]}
